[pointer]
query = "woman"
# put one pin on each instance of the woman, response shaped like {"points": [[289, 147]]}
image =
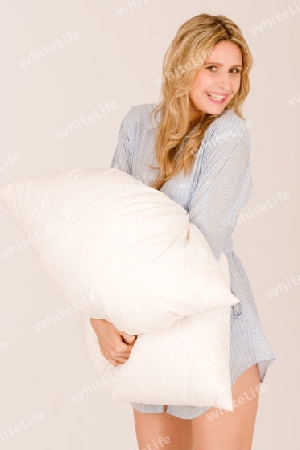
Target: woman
{"points": [[197, 153]]}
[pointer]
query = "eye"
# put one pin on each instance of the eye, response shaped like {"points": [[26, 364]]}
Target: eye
{"points": [[211, 67], [236, 70]]}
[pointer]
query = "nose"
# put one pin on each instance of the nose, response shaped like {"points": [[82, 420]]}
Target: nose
{"points": [[224, 82]]}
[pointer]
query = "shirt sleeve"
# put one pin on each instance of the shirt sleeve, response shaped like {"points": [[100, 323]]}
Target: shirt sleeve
{"points": [[122, 156], [223, 188]]}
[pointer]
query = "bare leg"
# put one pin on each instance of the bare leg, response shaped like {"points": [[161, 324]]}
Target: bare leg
{"points": [[174, 433], [230, 430]]}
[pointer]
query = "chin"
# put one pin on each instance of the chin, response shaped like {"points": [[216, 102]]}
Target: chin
{"points": [[214, 110]]}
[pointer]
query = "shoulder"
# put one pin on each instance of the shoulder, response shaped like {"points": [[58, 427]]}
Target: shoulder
{"points": [[139, 114], [228, 126]]}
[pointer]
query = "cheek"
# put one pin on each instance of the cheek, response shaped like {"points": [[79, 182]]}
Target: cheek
{"points": [[236, 84], [202, 82]]}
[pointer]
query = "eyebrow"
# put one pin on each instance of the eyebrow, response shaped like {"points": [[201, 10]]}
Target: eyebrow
{"points": [[219, 64]]}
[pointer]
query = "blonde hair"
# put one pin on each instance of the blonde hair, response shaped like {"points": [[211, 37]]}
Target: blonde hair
{"points": [[194, 40]]}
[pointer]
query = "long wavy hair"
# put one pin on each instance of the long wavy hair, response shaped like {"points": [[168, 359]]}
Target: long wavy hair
{"points": [[194, 41]]}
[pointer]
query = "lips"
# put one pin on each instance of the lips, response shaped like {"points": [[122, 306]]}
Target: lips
{"points": [[216, 97]]}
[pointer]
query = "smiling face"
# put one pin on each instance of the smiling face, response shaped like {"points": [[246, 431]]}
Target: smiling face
{"points": [[217, 81]]}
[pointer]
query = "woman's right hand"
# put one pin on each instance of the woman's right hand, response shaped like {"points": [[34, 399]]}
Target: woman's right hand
{"points": [[115, 345]]}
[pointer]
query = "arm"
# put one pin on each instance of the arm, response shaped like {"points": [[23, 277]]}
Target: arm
{"points": [[114, 345], [223, 188]]}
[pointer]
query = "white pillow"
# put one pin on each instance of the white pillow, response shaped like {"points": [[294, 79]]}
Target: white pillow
{"points": [[131, 250], [187, 364], [127, 247]]}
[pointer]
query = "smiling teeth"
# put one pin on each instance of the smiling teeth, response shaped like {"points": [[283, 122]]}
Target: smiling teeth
{"points": [[216, 97]]}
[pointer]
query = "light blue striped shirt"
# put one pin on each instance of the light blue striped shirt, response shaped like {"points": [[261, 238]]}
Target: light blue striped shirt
{"points": [[214, 193]]}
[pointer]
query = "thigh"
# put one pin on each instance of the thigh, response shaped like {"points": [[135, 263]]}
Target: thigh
{"points": [[162, 431], [230, 430]]}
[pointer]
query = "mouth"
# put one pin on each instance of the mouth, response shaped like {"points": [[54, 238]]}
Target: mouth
{"points": [[218, 99]]}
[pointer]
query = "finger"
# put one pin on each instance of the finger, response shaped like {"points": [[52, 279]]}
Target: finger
{"points": [[118, 361], [117, 347], [128, 338], [120, 355], [117, 352], [122, 348]]}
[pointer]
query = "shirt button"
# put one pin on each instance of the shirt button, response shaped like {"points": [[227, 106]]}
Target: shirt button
{"points": [[207, 183]]}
